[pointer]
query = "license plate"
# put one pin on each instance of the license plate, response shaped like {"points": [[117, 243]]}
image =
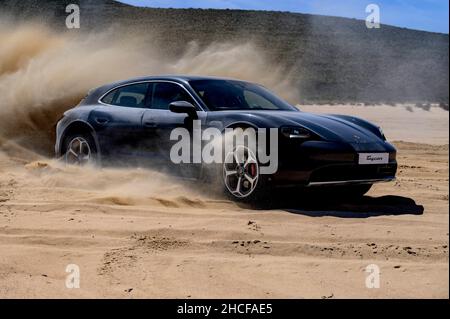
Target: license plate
{"points": [[373, 158]]}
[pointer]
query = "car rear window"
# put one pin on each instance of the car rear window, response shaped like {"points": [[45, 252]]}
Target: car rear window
{"points": [[128, 96]]}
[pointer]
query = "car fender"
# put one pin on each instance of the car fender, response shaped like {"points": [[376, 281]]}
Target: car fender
{"points": [[68, 126]]}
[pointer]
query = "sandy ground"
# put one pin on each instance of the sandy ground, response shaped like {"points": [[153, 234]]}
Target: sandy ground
{"points": [[138, 234]]}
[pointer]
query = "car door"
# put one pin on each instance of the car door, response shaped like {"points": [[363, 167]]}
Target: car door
{"points": [[159, 122], [118, 122]]}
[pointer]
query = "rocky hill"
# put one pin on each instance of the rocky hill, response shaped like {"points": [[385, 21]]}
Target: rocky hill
{"points": [[330, 59]]}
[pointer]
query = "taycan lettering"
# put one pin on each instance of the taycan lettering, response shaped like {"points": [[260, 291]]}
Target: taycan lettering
{"points": [[374, 159]]}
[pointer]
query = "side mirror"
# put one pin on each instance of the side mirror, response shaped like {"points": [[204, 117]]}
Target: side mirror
{"points": [[183, 107]]}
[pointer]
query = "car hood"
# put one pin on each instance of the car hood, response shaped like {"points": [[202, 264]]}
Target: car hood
{"points": [[327, 126]]}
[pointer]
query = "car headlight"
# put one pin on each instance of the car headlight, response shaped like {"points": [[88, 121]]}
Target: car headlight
{"points": [[296, 132], [382, 133]]}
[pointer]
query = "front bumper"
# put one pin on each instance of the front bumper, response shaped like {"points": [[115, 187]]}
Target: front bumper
{"points": [[352, 182], [317, 163]]}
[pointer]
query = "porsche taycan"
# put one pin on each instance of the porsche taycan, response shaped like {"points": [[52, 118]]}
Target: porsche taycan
{"points": [[132, 122]]}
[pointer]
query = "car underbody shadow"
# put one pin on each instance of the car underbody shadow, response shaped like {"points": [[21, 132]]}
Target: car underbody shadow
{"points": [[317, 204], [310, 202]]}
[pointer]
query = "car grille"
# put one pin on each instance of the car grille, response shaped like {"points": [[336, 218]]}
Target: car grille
{"points": [[353, 172]]}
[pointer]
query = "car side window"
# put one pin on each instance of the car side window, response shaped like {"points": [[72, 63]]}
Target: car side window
{"points": [[128, 96], [164, 93]]}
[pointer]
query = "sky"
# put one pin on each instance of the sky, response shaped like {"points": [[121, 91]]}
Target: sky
{"points": [[427, 15]]}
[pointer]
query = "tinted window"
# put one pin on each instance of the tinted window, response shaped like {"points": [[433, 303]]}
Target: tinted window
{"points": [[165, 93], [128, 96], [235, 95], [254, 100]]}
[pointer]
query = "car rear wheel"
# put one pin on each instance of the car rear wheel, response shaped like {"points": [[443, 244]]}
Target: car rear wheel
{"points": [[79, 149]]}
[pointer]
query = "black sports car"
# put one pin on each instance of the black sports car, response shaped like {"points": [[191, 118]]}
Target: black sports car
{"points": [[131, 122]]}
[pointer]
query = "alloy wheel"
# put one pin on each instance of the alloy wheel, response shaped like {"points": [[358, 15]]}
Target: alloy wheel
{"points": [[241, 172], [78, 152]]}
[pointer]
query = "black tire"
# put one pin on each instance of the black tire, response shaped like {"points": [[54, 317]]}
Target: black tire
{"points": [[86, 142], [260, 195]]}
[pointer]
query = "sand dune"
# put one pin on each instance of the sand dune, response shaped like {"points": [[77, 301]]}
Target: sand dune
{"points": [[140, 234]]}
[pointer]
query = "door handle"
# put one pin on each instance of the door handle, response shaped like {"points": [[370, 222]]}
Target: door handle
{"points": [[150, 124], [101, 121]]}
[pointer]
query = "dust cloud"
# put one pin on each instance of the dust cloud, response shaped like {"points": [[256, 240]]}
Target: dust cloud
{"points": [[44, 73]]}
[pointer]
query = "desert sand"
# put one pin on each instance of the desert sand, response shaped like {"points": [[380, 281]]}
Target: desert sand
{"points": [[140, 234]]}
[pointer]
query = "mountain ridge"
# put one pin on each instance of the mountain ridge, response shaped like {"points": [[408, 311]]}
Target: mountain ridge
{"points": [[332, 59]]}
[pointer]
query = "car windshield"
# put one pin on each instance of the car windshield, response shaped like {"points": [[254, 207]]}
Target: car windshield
{"points": [[224, 95]]}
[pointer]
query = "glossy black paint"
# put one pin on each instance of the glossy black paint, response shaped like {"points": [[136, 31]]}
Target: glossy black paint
{"points": [[135, 135]]}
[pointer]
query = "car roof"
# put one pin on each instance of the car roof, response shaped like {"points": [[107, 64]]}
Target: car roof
{"points": [[175, 78], [97, 93]]}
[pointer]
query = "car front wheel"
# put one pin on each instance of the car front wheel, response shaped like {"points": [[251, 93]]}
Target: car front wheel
{"points": [[242, 178]]}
